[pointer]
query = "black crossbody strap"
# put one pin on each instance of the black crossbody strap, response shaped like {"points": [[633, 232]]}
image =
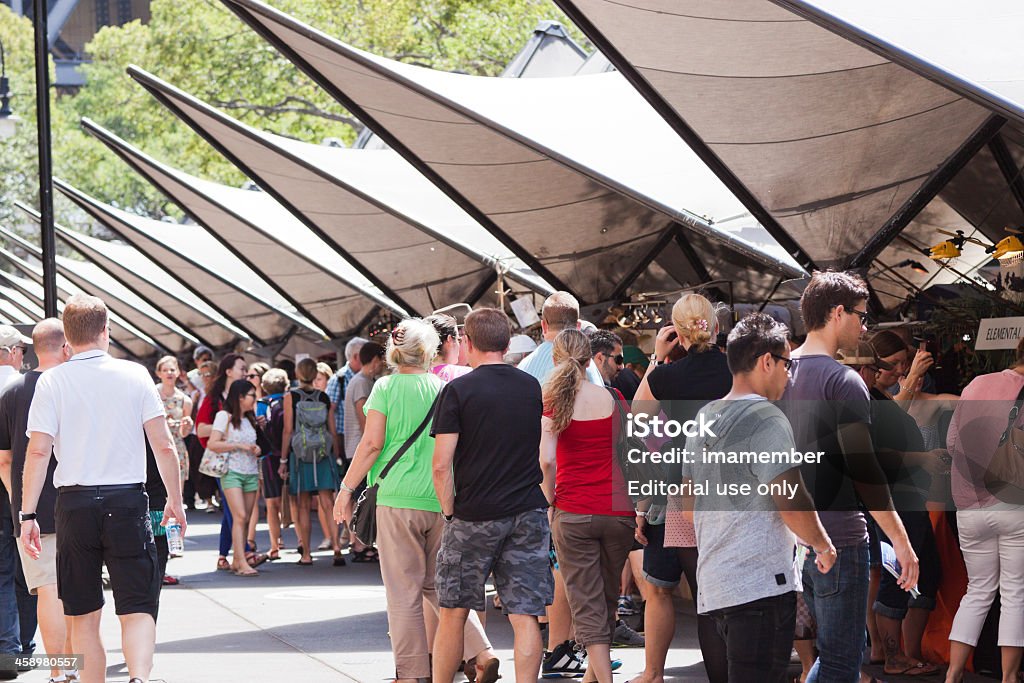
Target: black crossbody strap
{"points": [[410, 441]]}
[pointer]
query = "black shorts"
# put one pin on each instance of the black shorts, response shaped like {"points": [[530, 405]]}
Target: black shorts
{"points": [[272, 482], [661, 565], [113, 528]]}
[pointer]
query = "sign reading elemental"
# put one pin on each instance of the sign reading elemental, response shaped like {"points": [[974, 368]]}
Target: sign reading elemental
{"points": [[999, 333]]}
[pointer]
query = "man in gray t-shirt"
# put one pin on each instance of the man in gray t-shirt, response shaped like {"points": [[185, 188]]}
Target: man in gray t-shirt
{"points": [[747, 568], [371, 355]]}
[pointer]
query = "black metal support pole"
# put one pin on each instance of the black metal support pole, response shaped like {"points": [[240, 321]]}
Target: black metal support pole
{"points": [[47, 237]]}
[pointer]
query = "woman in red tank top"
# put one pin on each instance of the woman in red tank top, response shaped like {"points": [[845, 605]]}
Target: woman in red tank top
{"points": [[592, 516]]}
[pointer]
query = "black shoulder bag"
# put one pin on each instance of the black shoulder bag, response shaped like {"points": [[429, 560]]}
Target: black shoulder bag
{"points": [[364, 517]]}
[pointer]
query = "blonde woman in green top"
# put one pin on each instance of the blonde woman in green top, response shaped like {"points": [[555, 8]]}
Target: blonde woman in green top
{"points": [[409, 522]]}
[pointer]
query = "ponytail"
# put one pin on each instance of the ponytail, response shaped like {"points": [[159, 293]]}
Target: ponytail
{"points": [[571, 354]]}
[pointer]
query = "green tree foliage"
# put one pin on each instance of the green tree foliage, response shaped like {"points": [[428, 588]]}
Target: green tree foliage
{"points": [[202, 48]]}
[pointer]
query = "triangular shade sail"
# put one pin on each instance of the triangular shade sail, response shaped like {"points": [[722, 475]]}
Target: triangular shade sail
{"points": [[170, 246], [124, 333], [103, 268], [362, 199], [272, 240], [976, 53], [535, 162], [815, 133]]}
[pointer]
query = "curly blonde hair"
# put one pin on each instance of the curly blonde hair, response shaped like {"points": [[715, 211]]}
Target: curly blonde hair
{"points": [[571, 353], [413, 343], [696, 320]]}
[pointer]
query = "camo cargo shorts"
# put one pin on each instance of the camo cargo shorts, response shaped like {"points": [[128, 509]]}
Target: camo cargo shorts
{"points": [[514, 548]]}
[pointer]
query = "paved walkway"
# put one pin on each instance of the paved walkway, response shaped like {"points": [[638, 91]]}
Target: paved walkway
{"points": [[292, 623], [303, 624]]}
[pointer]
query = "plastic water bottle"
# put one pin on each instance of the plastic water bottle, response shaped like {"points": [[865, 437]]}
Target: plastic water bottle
{"points": [[175, 543]]}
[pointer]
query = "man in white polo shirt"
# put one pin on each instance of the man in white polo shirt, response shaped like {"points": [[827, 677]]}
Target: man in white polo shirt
{"points": [[96, 413]]}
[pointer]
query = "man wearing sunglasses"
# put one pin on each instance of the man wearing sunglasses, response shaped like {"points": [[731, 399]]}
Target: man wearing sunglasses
{"points": [[12, 354], [13, 345], [606, 347], [747, 576]]}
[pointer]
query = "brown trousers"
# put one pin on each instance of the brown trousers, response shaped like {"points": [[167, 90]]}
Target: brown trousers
{"points": [[592, 549]]}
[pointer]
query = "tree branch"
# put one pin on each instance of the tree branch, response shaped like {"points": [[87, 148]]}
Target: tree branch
{"points": [[290, 105]]}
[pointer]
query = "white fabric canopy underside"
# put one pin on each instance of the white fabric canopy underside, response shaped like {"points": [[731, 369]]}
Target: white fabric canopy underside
{"points": [[204, 266], [830, 138], [280, 247], [534, 155], [339, 192]]}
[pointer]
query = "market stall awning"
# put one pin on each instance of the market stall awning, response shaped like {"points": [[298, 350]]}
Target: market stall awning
{"points": [[129, 326], [537, 162], [832, 142], [392, 220], [852, 125], [174, 245], [273, 242]]}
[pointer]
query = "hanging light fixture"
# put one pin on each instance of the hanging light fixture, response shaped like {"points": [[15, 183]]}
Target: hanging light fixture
{"points": [[1006, 248]]}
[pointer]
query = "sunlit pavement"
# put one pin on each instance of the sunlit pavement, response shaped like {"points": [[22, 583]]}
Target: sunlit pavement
{"points": [[292, 623]]}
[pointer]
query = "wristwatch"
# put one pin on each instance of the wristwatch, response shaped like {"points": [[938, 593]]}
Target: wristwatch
{"points": [[654, 359], [25, 516]]}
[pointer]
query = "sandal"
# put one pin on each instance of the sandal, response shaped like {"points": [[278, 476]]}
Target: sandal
{"points": [[273, 555], [365, 555], [169, 580], [250, 573], [305, 564], [255, 559], [223, 565], [339, 559]]}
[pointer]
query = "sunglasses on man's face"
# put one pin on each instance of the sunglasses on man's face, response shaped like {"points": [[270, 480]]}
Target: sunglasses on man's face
{"points": [[619, 359], [863, 315]]}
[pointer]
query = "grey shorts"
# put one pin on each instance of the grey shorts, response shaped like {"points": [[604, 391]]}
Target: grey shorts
{"points": [[514, 548]]}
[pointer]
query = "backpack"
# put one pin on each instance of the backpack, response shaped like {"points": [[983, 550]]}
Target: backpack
{"points": [[275, 422], [310, 438]]}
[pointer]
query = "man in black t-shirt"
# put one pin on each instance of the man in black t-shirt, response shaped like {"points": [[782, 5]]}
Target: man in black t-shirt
{"points": [[40, 575], [487, 476]]}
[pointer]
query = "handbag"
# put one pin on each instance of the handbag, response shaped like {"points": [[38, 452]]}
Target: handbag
{"points": [[364, 517], [1004, 477], [214, 464]]}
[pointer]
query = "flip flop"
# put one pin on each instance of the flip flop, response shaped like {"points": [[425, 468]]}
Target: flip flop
{"points": [[223, 565], [246, 574], [305, 564], [918, 669]]}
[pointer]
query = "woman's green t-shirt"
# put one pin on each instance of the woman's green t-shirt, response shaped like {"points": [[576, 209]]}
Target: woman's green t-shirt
{"points": [[404, 400]]}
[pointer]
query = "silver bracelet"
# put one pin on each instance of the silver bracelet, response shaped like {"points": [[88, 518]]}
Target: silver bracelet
{"points": [[346, 489]]}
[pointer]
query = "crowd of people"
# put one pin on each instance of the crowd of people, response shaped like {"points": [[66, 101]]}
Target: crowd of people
{"points": [[477, 457]]}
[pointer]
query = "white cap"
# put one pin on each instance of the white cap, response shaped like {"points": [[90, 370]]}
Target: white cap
{"points": [[521, 344], [11, 337]]}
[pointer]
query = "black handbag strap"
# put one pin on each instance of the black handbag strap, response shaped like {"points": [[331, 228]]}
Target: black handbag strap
{"points": [[1012, 417], [410, 441]]}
